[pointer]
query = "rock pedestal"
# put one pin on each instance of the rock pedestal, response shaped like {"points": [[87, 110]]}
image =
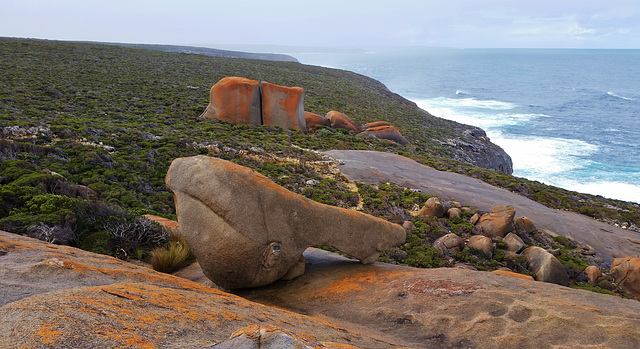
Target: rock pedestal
{"points": [[247, 231]]}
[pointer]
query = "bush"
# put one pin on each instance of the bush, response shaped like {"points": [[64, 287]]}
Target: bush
{"points": [[172, 257]]}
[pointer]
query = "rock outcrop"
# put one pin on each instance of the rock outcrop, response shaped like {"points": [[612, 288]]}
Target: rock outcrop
{"points": [[626, 273], [545, 266], [283, 106], [340, 120], [235, 99], [315, 121], [384, 132], [247, 231]]}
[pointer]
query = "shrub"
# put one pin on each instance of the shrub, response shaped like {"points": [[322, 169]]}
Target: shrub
{"points": [[172, 257]]}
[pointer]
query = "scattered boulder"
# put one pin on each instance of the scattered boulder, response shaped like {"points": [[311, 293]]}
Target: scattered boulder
{"points": [[626, 273], [432, 208], [545, 266], [474, 219], [247, 231], [514, 243], [524, 224], [315, 121], [454, 212], [497, 223], [408, 225], [449, 243], [385, 132], [339, 120], [482, 243], [283, 106], [235, 99], [376, 124], [594, 275]]}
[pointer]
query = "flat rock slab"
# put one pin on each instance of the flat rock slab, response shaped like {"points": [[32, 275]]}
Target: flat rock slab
{"points": [[454, 308], [377, 167]]}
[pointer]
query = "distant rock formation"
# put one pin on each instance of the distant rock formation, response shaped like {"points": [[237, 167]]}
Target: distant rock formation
{"points": [[384, 132], [283, 106], [247, 231], [315, 121], [236, 100], [340, 120]]}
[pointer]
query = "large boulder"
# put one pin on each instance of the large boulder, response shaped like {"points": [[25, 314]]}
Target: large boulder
{"points": [[384, 132], [482, 243], [626, 273], [497, 223], [247, 231], [433, 207], [315, 121], [376, 124], [545, 266], [524, 225], [235, 99], [283, 106], [340, 120], [514, 243], [449, 243]]}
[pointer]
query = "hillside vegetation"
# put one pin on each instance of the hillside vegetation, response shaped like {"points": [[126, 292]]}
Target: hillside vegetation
{"points": [[88, 132]]}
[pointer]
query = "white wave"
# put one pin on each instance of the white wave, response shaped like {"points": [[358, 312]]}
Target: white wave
{"points": [[613, 94], [457, 110], [608, 189], [461, 92]]}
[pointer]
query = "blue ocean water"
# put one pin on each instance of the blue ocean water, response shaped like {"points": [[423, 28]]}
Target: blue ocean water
{"points": [[568, 118]]}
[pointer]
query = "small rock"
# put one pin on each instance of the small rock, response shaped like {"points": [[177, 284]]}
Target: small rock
{"points": [[497, 223], [408, 225], [454, 212], [514, 243], [545, 266], [626, 273], [474, 219], [524, 224], [449, 243], [594, 275], [432, 208], [482, 243]]}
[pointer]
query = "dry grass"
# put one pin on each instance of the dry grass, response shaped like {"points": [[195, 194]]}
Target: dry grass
{"points": [[172, 257]]}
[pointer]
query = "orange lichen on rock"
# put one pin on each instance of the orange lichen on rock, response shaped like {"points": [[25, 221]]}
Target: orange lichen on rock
{"points": [[387, 132], [47, 334], [315, 121], [340, 120], [376, 124], [512, 274], [235, 99], [283, 106]]}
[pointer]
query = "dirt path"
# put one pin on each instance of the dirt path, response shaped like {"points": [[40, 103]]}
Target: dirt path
{"points": [[377, 167]]}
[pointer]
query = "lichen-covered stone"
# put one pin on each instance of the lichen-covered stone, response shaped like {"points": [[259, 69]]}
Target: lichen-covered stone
{"points": [[235, 99], [315, 121], [283, 106], [384, 132], [340, 120], [433, 207], [497, 223], [247, 231]]}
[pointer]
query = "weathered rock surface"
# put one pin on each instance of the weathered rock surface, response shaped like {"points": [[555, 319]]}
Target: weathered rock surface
{"points": [[512, 274], [482, 243], [283, 106], [626, 273], [514, 243], [524, 224], [247, 231], [454, 307], [594, 275], [449, 243], [340, 120], [376, 124], [235, 99], [384, 132], [545, 266], [433, 207], [454, 212], [269, 337], [61, 297], [315, 121], [497, 223], [376, 168]]}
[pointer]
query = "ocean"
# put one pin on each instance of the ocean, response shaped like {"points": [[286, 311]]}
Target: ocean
{"points": [[568, 118]]}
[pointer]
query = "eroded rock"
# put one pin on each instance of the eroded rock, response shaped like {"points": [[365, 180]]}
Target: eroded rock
{"points": [[514, 243], [235, 99], [482, 243], [247, 231], [545, 266], [340, 120], [384, 132], [433, 207], [283, 106], [626, 273], [315, 121], [449, 243], [497, 223]]}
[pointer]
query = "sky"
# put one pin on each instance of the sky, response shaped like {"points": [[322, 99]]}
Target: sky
{"points": [[331, 23]]}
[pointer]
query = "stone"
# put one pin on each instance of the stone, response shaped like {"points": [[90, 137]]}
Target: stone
{"points": [[626, 274], [594, 275], [513, 275], [497, 223], [514, 243], [408, 225], [449, 243], [545, 266], [482, 243], [235, 99], [247, 231], [271, 337], [433, 207], [315, 121], [474, 219], [376, 124], [524, 224], [384, 132], [340, 120], [283, 106], [454, 212]]}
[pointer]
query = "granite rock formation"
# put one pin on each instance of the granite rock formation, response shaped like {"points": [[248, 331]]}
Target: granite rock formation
{"points": [[340, 120], [545, 266], [236, 100], [497, 223], [315, 121], [626, 273], [283, 106], [384, 132], [247, 231]]}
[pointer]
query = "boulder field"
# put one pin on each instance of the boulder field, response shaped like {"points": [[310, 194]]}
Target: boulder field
{"points": [[55, 296]]}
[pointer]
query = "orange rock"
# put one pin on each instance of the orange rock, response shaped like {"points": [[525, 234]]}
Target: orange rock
{"points": [[315, 121], [512, 274], [376, 124], [626, 273], [524, 224], [283, 106], [432, 208], [235, 99], [497, 223], [339, 120], [385, 132], [594, 275]]}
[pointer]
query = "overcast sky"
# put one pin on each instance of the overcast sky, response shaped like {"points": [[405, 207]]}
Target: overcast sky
{"points": [[331, 23]]}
